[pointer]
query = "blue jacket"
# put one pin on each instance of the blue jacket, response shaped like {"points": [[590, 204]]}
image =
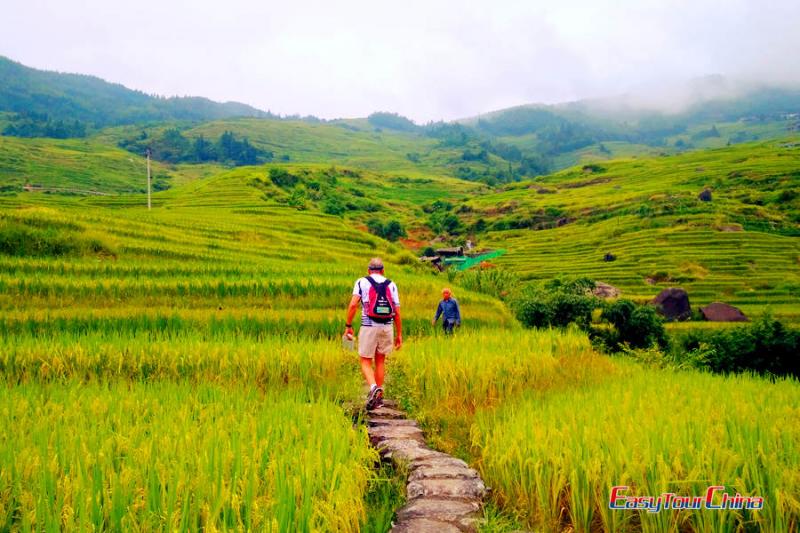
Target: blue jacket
{"points": [[449, 308]]}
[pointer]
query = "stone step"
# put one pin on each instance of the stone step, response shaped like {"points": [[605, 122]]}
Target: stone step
{"points": [[374, 422], [443, 493], [438, 509], [385, 412], [443, 472], [424, 525], [466, 489], [381, 433]]}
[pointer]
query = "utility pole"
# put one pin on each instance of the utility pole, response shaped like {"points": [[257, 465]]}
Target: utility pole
{"points": [[149, 206]]}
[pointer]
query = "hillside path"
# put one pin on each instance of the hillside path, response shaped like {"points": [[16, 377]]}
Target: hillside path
{"points": [[443, 494]]}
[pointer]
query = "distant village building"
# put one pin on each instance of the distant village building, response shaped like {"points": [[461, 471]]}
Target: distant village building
{"points": [[458, 251], [435, 261]]}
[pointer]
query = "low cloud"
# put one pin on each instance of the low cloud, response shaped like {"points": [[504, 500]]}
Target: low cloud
{"points": [[426, 60]]}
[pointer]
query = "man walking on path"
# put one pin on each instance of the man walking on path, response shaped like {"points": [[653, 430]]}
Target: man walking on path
{"points": [[449, 311], [380, 315]]}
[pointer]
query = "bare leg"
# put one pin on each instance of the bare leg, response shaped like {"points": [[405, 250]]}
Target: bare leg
{"points": [[366, 369], [380, 370]]}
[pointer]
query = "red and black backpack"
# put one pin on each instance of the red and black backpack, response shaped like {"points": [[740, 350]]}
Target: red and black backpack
{"points": [[380, 308]]}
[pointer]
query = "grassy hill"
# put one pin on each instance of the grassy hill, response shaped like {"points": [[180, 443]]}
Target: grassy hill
{"points": [[48, 96], [181, 368], [79, 166], [741, 247], [353, 143]]}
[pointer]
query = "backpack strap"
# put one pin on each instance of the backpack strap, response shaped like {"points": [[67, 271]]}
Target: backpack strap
{"points": [[375, 285]]}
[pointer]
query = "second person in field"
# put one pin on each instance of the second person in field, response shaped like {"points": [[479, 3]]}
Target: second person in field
{"points": [[449, 311]]}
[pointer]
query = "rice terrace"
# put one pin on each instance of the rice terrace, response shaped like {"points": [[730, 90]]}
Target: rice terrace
{"points": [[586, 312]]}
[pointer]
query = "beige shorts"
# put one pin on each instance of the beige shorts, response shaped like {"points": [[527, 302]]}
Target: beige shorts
{"points": [[375, 339]]}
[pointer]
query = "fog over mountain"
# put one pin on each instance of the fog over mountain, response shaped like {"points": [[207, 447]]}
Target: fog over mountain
{"points": [[428, 61]]}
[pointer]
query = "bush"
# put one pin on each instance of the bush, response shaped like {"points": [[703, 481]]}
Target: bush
{"points": [[558, 303], [281, 178], [391, 231], [766, 346], [636, 326], [334, 206]]}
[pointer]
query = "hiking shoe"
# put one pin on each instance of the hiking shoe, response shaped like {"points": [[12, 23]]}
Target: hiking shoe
{"points": [[372, 398], [375, 398]]}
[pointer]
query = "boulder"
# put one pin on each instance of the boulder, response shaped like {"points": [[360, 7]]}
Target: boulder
{"points": [[604, 290], [609, 257], [705, 195], [673, 304], [722, 312]]}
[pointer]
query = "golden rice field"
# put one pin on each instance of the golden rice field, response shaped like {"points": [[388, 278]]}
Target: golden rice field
{"points": [[169, 456], [553, 426], [180, 369]]}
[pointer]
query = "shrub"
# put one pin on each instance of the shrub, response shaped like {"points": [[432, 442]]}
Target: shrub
{"points": [[297, 199], [636, 326], [391, 231], [451, 224], [333, 206], [282, 178], [557, 303], [766, 346]]}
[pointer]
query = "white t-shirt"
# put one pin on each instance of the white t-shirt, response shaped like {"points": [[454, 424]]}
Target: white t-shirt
{"points": [[361, 289]]}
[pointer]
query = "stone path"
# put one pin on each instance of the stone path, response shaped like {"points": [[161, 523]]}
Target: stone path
{"points": [[443, 494]]}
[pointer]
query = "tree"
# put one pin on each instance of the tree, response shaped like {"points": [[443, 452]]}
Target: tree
{"points": [[391, 231], [282, 178], [334, 206], [452, 224], [637, 326], [203, 150]]}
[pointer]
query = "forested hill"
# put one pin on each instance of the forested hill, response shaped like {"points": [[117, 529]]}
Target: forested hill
{"points": [[41, 102]]}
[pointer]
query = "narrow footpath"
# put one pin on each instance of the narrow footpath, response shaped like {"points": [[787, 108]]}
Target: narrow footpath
{"points": [[443, 494]]}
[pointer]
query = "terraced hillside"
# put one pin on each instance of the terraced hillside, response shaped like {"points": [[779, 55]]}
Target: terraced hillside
{"points": [[741, 247], [77, 166], [180, 368], [189, 360], [269, 270]]}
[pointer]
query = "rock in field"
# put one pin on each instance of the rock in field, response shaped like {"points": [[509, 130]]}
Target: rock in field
{"points": [[604, 290], [673, 304], [722, 312]]}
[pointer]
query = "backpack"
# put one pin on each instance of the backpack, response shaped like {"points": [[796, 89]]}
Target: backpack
{"points": [[380, 308]]}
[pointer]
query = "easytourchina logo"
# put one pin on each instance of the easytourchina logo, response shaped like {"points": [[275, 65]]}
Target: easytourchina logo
{"points": [[715, 499]]}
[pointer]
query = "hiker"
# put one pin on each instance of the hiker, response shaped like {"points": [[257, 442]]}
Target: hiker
{"points": [[380, 316], [449, 311]]}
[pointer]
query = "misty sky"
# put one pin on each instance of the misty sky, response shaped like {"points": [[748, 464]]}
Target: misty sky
{"points": [[427, 60]]}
